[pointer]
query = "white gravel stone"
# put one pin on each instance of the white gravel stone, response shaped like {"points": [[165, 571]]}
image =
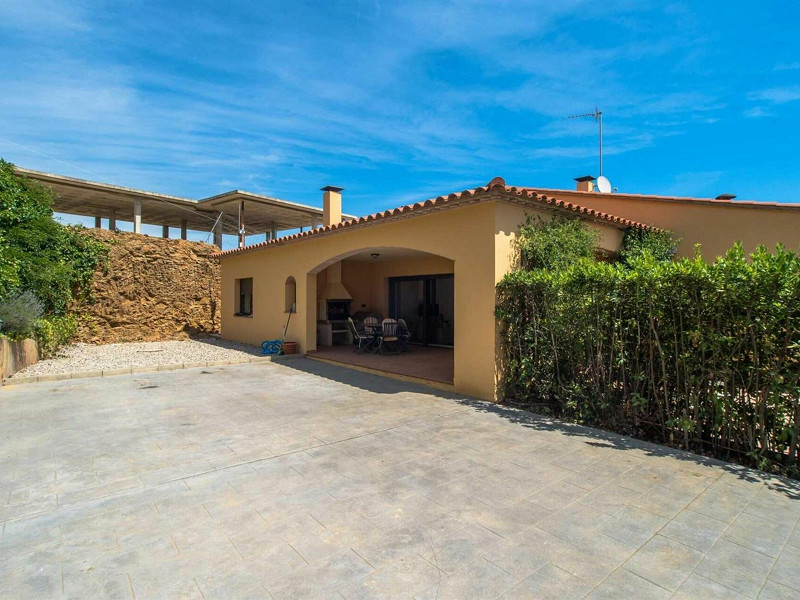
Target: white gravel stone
{"points": [[82, 358]]}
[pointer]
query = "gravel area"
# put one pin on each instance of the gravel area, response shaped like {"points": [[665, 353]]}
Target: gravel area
{"points": [[81, 358]]}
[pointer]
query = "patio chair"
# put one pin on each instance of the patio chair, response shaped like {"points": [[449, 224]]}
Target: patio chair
{"points": [[362, 341], [403, 335], [372, 326], [389, 336]]}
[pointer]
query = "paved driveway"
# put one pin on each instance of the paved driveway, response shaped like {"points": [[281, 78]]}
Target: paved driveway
{"points": [[304, 480]]}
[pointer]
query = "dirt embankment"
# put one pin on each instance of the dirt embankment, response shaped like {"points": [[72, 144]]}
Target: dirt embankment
{"points": [[152, 289]]}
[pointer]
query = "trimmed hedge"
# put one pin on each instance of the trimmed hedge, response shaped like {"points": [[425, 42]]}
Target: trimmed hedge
{"points": [[704, 356]]}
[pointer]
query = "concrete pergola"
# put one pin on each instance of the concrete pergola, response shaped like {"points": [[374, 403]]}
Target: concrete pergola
{"points": [[244, 212]]}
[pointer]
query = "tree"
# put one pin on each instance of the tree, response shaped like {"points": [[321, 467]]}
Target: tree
{"points": [[37, 254]]}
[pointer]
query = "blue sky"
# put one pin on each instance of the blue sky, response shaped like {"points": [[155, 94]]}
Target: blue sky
{"points": [[401, 101]]}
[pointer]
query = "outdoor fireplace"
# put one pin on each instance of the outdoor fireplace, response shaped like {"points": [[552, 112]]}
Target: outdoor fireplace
{"points": [[334, 308], [337, 310]]}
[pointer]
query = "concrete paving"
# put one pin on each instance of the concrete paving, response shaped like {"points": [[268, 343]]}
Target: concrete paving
{"points": [[305, 480]]}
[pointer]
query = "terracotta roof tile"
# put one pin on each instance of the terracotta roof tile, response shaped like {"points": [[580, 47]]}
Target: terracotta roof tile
{"points": [[495, 189]]}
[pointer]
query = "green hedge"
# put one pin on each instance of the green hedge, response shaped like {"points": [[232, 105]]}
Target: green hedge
{"points": [[704, 356]]}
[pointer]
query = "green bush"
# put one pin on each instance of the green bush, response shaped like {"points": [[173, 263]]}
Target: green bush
{"points": [[37, 253], [554, 244], [660, 244], [19, 313], [9, 279], [704, 356], [53, 332]]}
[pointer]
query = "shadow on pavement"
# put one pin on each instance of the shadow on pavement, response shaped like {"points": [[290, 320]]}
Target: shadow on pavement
{"points": [[595, 437]]}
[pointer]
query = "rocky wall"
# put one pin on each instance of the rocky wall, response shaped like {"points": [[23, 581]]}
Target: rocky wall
{"points": [[151, 289]]}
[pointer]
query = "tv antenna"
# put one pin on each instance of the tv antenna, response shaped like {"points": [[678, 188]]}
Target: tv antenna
{"points": [[597, 115]]}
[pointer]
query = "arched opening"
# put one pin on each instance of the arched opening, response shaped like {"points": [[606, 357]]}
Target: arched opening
{"points": [[290, 295], [412, 287]]}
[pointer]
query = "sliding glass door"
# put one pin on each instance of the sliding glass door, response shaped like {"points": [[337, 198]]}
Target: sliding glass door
{"points": [[426, 304]]}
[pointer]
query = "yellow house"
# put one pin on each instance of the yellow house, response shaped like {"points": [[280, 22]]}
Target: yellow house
{"points": [[436, 263]]}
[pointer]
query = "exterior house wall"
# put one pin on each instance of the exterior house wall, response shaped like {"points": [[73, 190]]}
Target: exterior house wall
{"points": [[715, 225], [464, 235], [465, 241]]}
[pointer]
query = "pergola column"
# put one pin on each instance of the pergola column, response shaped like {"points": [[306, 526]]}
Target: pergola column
{"points": [[183, 229], [112, 220], [218, 238], [97, 223], [241, 224], [273, 230], [165, 231], [137, 215]]}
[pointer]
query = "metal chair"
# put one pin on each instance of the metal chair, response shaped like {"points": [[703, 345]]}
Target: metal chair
{"points": [[362, 341], [389, 336], [372, 325], [403, 335]]}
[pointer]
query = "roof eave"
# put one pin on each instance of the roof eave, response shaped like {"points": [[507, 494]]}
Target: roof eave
{"points": [[495, 190]]}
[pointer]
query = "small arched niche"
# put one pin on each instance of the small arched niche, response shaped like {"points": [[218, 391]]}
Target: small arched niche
{"points": [[290, 304]]}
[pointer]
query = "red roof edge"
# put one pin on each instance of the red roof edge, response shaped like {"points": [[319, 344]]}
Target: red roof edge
{"points": [[496, 185]]}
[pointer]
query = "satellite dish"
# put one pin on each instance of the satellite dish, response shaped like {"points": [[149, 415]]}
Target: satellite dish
{"points": [[603, 185]]}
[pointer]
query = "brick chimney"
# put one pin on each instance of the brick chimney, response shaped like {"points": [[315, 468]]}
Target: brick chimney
{"points": [[585, 183], [331, 205]]}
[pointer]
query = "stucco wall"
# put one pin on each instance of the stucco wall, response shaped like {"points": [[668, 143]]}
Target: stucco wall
{"points": [[463, 238], [714, 225], [464, 235]]}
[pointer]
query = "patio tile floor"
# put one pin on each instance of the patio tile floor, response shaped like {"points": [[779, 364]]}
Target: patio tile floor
{"points": [[425, 362]]}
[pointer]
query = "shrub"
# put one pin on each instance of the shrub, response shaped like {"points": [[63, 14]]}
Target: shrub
{"points": [[19, 312], [37, 253], [9, 278], [554, 244], [660, 244], [53, 332], [21, 199], [704, 356]]}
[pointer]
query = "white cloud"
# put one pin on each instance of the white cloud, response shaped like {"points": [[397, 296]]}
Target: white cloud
{"points": [[34, 16], [778, 95], [757, 112]]}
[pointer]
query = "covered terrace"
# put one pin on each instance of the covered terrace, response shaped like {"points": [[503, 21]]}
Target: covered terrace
{"points": [[389, 282]]}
